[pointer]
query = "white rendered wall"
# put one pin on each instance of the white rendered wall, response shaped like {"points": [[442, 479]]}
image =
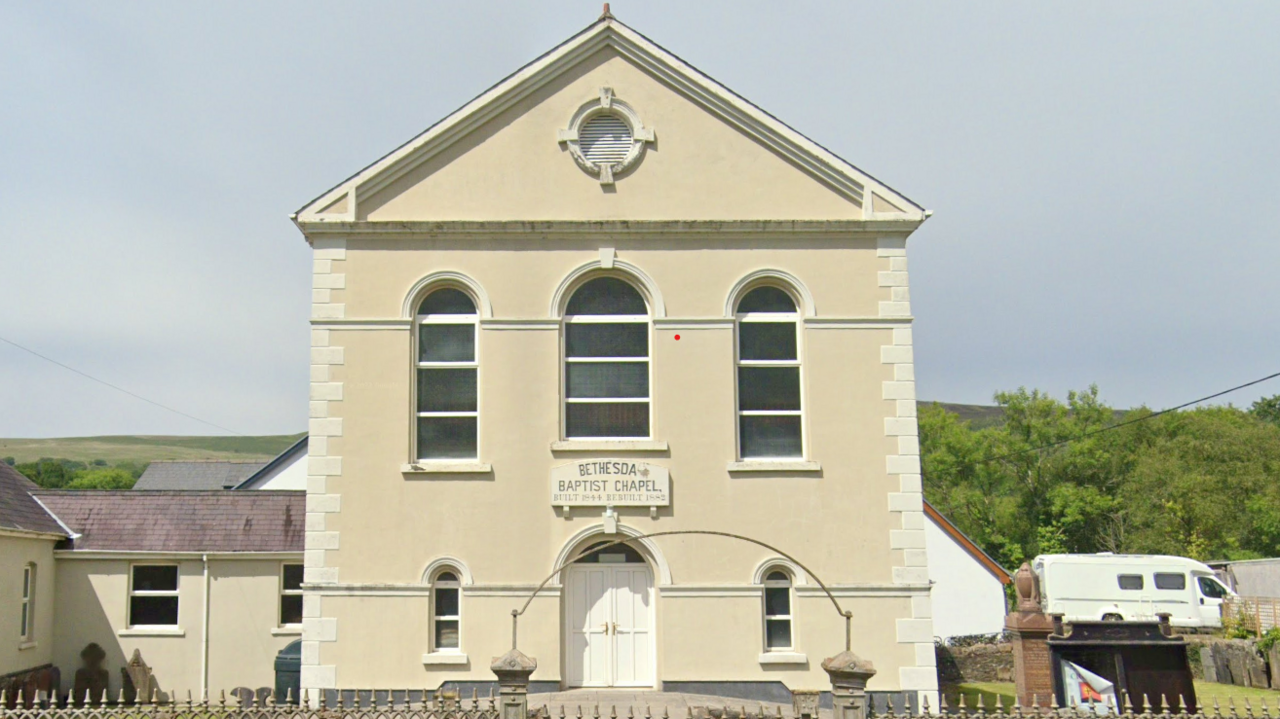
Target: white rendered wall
{"points": [[291, 475], [967, 599]]}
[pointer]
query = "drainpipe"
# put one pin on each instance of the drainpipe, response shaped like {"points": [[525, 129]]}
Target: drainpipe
{"points": [[204, 634]]}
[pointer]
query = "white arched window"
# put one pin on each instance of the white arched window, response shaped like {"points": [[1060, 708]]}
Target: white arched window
{"points": [[446, 612], [770, 421], [778, 636], [447, 408], [606, 362]]}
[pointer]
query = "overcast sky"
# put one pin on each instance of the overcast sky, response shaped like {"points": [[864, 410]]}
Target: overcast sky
{"points": [[1103, 175]]}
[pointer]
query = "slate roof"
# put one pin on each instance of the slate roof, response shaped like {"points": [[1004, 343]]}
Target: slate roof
{"points": [[167, 521], [18, 510], [198, 474], [299, 447]]}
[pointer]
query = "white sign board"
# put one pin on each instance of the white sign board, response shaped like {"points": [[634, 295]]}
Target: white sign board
{"points": [[610, 482]]}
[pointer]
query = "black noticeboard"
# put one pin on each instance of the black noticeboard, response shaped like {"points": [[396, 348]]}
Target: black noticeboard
{"points": [[1148, 666]]}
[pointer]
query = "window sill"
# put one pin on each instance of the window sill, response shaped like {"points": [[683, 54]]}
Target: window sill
{"points": [[775, 465], [441, 658], [769, 658], [152, 632], [446, 467], [609, 445], [293, 630], [28, 645]]}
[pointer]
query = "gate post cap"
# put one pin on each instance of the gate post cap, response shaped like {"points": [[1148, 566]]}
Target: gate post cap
{"points": [[847, 667], [513, 664]]}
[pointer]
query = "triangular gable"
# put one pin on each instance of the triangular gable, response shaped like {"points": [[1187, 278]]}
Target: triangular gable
{"points": [[967, 544], [877, 200]]}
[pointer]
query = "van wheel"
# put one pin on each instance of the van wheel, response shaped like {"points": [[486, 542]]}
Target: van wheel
{"points": [[1112, 618]]}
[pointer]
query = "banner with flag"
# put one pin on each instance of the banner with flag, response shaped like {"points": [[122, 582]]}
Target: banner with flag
{"points": [[1086, 690]]}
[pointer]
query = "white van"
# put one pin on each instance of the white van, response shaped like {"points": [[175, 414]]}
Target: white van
{"points": [[1089, 587]]}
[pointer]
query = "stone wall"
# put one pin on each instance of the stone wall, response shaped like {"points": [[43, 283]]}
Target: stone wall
{"points": [[977, 663], [1233, 661]]}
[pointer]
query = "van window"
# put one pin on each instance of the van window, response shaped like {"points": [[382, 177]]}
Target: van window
{"points": [[1170, 581], [1211, 589], [1130, 581]]}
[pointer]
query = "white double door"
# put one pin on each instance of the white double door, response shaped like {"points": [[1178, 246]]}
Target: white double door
{"points": [[609, 626]]}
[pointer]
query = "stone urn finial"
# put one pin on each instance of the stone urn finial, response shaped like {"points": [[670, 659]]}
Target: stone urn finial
{"points": [[1028, 586]]}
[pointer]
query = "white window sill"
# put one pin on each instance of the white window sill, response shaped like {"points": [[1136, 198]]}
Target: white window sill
{"points": [[439, 658], [152, 632], [27, 645], [783, 658], [775, 465], [609, 445], [446, 467], [292, 630]]}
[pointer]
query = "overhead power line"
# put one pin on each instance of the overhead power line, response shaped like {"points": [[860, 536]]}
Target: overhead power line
{"points": [[118, 388], [1128, 422]]}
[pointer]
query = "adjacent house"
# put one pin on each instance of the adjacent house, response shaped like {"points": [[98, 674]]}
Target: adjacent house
{"points": [[968, 585], [286, 471], [609, 298], [205, 584]]}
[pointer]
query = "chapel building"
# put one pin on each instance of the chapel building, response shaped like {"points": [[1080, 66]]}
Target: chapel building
{"points": [[610, 298]]}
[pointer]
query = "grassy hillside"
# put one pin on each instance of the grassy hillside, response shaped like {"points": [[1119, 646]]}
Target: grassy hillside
{"points": [[143, 449]]}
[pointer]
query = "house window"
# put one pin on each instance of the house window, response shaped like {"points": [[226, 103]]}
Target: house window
{"points": [[1130, 581], [153, 595], [606, 365], [1170, 581], [448, 411], [769, 414], [28, 603], [291, 594], [777, 612], [446, 593]]}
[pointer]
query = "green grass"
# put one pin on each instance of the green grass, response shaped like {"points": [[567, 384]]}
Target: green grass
{"points": [[1206, 692], [143, 448]]}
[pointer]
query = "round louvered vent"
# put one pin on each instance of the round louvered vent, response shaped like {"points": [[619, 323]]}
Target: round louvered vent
{"points": [[605, 140]]}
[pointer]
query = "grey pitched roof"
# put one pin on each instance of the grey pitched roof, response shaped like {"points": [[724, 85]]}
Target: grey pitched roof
{"points": [[18, 510], [167, 521], [198, 474]]}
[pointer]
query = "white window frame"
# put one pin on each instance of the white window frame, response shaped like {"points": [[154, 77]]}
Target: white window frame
{"points": [[441, 319], [789, 618], [456, 585], [738, 363], [28, 603], [154, 593], [565, 401], [287, 593]]}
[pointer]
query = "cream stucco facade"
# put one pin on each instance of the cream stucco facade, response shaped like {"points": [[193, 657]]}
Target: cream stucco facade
{"points": [[723, 199], [228, 629], [28, 643]]}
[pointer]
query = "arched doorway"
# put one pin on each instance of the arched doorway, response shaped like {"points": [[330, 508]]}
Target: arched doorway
{"points": [[609, 619]]}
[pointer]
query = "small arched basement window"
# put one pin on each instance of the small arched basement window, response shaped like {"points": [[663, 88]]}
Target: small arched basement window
{"points": [[606, 362], [777, 612], [770, 421], [447, 407], [446, 612]]}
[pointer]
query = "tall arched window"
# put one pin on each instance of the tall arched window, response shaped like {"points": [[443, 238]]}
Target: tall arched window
{"points": [[447, 410], [777, 612], [446, 612], [769, 414], [606, 362]]}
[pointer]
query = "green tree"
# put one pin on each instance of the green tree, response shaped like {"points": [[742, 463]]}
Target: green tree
{"points": [[111, 478], [1267, 409]]}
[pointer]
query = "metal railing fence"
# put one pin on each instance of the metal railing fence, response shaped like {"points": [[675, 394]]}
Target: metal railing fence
{"points": [[403, 704]]}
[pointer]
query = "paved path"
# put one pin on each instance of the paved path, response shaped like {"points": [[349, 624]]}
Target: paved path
{"points": [[639, 703]]}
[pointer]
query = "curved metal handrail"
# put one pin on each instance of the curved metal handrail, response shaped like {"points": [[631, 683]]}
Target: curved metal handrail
{"points": [[846, 614]]}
